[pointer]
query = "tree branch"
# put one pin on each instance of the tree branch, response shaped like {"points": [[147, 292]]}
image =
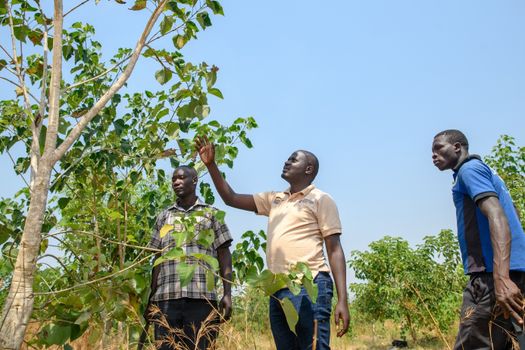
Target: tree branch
{"points": [[75, 133], [20, 87], [96, 77], [54, 86], [76, 7]]}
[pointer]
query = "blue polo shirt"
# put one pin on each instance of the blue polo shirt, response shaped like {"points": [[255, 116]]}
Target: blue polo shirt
{"points": [[474, 180]]}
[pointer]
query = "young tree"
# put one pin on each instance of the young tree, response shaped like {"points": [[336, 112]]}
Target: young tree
{"points": [[419, 288], [508, 160], [52, 123]]}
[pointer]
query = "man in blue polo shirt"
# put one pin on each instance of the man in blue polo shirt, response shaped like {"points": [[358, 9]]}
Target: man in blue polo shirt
{"points": [[492, 244]]}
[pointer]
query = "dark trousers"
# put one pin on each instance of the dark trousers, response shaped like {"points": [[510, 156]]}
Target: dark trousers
{"points": [[482, 325], [186, 325], [311, 317]]}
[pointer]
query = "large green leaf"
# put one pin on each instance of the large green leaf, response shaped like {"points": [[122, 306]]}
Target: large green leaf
{"points": [[311, 289], [186, 272], [163, 76], [210, 280], [210, 260], [166, 24], [56, 334], [291, 314], [175, 253]]}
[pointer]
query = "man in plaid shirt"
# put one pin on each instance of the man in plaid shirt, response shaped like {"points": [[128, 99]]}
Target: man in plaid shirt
{"points": [[190, 228]]}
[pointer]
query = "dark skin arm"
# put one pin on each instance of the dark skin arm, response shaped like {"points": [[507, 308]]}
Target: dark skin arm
{"points": [[508, 295], [207, 153], [336, 258], [225, 266]]}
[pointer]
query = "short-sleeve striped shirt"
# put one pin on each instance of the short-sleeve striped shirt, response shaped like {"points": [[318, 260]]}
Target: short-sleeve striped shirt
{"points": [[168, 282]]}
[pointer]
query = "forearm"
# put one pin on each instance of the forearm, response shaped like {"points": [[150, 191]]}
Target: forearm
{"points": [[223, 188], [501, 242], [225, 269], [499, 235], [336, 258]]}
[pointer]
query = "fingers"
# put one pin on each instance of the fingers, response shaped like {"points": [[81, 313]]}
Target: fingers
{"points": [[341, 323]]}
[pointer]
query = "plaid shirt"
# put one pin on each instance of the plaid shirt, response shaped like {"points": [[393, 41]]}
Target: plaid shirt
{"points": [[168, 282]]}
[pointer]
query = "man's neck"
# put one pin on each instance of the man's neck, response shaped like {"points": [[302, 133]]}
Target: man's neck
{"points": [[187, 201], [298, 187], [461, 160]]}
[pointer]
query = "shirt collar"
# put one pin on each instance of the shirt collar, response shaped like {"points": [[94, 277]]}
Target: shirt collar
{"points": [[469, 158], [304, 191], [197, 203]]}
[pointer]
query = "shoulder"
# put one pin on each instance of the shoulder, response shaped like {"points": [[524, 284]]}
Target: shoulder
{"points": [[320, 194], [474, 168], [321, 198]]}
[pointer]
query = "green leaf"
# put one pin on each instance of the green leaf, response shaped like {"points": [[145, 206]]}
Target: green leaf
{"points": [[174, 254], [215, 7], [311, 289], [139, 5], [112, 214], [5, 232], [179, 41], [204, 19], [210, 280], [219, 215], [216, 92], [210, 260], [202, 111], [206, 238], [291, 314], [62, 202], [294, 287], [166, 25], [163, 76], [84, 317], [57, 334], [186, 272]]}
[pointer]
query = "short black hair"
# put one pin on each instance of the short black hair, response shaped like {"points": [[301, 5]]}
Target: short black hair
{"points": [[191, 170], [453, 136], [312, 160]]}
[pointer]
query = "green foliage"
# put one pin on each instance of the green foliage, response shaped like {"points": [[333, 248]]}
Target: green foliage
{"points": [[410, 286], [508, 160]]}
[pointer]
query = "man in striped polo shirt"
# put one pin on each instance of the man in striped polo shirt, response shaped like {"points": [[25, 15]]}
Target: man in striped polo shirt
{"points": [[492, 244]]}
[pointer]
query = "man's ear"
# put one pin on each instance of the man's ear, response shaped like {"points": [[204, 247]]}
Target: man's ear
{"points": [[309, 169], [194, 180], [457, 147]]}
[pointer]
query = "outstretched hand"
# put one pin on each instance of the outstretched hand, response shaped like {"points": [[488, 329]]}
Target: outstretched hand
{"points": [[206, 149]]}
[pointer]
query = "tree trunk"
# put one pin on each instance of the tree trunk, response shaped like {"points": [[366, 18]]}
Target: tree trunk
{"points": [[19, 303]]}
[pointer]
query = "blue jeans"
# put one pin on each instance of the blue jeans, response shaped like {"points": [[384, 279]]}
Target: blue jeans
{"points": [[284, 338]]}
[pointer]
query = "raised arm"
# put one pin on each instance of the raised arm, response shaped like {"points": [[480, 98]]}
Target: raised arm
{"points": [[336, 258], [207, 153], [507, 293]]}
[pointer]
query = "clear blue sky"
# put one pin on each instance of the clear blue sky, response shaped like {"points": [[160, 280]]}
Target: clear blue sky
{"points": [[364, 85]]}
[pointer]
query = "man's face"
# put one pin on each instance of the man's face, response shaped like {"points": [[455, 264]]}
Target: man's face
{"points": [[295, 167], [183, 182], [445, 155]]}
